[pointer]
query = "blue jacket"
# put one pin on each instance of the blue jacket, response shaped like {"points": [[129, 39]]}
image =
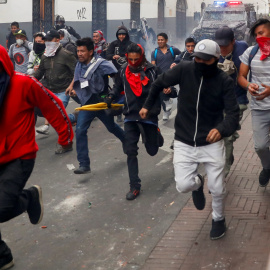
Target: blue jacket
{"points": [[97, 78], [238, 50]]}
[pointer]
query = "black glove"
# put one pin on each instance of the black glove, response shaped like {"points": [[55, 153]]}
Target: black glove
{"points": [[108, 100]]}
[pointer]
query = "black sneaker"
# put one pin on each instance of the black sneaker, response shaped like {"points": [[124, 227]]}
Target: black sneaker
{"points": [[218, 229], [133, 194], [6, 261], [198, 195], [82, 170], [264, 177], [35, 208]]}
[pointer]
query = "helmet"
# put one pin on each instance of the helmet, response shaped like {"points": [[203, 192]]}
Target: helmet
{"points": [[60, 18], [133, 24]]}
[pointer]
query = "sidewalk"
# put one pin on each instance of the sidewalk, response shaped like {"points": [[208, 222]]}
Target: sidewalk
{"points": [[187, 246]]}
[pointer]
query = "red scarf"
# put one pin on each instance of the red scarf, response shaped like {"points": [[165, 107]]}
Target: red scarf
{"points": [[135, 81], [264, 44]]}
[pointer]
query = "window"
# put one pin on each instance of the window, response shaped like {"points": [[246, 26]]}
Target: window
{"points": [[99, 16], [161, 17], [135, 10], [181, 7], [42, 15]]}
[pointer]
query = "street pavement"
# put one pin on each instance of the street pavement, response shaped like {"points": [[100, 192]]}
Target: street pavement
{"points": [[187, 246], [88, 223]]}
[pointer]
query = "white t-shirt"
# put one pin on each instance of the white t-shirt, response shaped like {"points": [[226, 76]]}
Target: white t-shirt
{"points": [[260, 73]]}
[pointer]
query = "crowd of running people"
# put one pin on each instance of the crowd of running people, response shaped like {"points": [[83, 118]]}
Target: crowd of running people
{"points": [[37, 79]]}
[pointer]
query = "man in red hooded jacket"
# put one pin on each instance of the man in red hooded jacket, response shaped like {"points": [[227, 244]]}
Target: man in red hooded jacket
{"points": [[19, 95]]}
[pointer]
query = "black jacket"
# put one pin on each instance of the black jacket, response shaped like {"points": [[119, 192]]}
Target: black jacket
{"points": [[185, 55], [118, 48], [133, 104], [58, 71], [201, 103]]}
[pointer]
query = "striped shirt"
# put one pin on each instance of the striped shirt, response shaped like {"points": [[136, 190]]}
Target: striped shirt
{"points": [[260, 74]]}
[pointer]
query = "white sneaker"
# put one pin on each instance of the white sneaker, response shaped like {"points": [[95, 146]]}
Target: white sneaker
{"points": [[43, 130], [166, 115], [168, 104]]}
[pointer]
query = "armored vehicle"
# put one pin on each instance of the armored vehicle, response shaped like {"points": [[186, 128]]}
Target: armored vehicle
{"points": [[235, 14]]}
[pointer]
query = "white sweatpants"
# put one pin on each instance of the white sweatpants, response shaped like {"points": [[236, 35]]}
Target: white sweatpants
{"points": [[186, 161]]}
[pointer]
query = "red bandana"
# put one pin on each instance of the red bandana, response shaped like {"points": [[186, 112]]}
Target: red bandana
{"points": [[135, 81], [264, 44]]}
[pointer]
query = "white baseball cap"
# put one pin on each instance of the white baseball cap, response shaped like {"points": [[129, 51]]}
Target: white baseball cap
{"points": [[206, 49]]}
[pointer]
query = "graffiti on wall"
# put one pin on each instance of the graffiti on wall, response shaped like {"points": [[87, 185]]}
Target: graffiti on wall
{"points": [[81, 13]]}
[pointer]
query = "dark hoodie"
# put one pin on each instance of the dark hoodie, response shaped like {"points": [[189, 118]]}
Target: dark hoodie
{"points": [[118, 48]]}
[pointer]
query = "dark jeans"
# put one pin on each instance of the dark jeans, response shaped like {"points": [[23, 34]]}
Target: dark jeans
{"points": [[133, 130], [14, 199], [83, 123]]}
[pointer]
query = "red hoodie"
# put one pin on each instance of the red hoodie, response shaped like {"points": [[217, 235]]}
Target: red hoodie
{"points": [[17, 121]]}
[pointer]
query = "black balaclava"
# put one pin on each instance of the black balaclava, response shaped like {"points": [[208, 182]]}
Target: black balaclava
{"points": [[39, 48], [207, 70]]}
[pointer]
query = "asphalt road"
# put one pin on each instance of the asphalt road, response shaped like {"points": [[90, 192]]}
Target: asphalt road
{"points": [[89, 223]]}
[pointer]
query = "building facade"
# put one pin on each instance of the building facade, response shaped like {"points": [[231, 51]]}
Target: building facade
{"points": [[175, 17]]}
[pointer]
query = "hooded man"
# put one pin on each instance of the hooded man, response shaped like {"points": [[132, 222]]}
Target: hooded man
{"points": [[19, 51], [100, 43], [118, 48], [19, 95], [135, 79], [200, 126]]}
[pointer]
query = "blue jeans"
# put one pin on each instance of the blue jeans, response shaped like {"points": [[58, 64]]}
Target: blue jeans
{"points": [[83, 123], [62, 96], [65, 99]]}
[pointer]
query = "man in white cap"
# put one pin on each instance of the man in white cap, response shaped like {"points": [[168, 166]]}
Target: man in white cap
{"points": [[200, 125]]}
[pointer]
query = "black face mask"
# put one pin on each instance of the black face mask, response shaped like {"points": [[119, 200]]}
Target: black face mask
{"points": [[39, 48], [207, 70]]}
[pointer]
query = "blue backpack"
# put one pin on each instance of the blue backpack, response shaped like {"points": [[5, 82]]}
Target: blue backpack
{"points": [[156, 50]]}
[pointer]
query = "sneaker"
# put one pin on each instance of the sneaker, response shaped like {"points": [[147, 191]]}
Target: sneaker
{"points": [[133, 194], [82, 170], [264, 177], [169, 104], [6, 261], [35, 208], [43, 130], [218, 229], [63, 149], [166, 115], [198, 195]]}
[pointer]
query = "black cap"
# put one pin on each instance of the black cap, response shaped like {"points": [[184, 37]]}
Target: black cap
{"points": [[224, 36], [52, 34], [20, 32]]}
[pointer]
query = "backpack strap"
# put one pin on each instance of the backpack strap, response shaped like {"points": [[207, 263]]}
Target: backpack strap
{"points": [[253, 53], [27, 48], [172, 52], [251, 56], [155, 54]]}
